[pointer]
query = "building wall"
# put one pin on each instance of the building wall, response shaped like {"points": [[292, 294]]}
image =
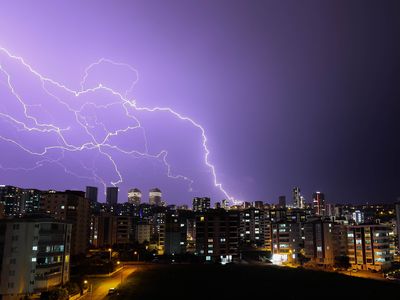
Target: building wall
{"points": [[74, 208], [217, 235], [369, 246], [142, 233], [34, 256]]}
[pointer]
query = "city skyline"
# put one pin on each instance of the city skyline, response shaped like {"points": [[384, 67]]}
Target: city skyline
{"points": [[287, 94]]}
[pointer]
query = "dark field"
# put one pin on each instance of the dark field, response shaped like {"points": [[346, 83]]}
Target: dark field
{"points": [[249, 282]]}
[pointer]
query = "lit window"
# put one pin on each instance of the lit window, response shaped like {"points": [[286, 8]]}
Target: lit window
{"points": [[33, 259], [34, 248]]}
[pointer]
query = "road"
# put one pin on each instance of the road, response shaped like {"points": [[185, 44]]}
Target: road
{"points": [[98, 287]]}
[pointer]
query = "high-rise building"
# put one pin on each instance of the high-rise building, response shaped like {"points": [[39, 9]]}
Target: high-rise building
{"points": [[318, 203], [34, 255], [135, 196], [253, 227], [398, 224], [282, 201], [175, 233], [91, 193], [369, 247], [201, 204], [73, 207], [112, 195], [298, 199], [155, 197]]}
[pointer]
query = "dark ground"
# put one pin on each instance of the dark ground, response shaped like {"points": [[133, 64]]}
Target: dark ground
{"points": [[249, 282]]}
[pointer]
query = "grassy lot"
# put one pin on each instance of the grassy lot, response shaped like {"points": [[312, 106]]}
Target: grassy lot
{"points": [[249, 282]]}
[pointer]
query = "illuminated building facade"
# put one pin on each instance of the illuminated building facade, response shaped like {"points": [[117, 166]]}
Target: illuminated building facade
{"points": [[135, 196], [319, 204], [298, 199], [253, 228], [34, 255], [73, 207], [155, 197], [201, 204], [369, 247], [286, 241]]}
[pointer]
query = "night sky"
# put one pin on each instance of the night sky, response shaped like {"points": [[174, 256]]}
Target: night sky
{"points": [[289, 93]]}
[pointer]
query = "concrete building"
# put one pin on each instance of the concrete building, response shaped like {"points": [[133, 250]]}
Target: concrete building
{"points": [[286, 241], [217, 235], [72, 207], [103, 230], [157, 229], [175, 233], [91, 193], [155, 197], [369, 247], [124, 230], [135, 196], [324, 241], [34, 255], [201, 204], [112, 195], [11, 198], [253, 228], [142, 233]]}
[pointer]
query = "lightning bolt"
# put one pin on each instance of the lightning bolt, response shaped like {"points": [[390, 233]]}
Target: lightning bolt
{"points": [[102, 145]]}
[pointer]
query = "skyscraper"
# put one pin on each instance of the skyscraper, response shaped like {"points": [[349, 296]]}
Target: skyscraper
{"points": [[134, 196], [298, 200], [112, 195], [318, 203], [155, 197], [91, 193]]}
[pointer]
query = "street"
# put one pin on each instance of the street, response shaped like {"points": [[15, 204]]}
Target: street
{"points": [[99, 286]]}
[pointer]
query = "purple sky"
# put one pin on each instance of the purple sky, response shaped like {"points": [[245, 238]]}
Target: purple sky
{"points": [[290, 93]]}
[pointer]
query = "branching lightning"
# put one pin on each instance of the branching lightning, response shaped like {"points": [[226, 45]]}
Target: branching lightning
{"points": [[102, 145]]}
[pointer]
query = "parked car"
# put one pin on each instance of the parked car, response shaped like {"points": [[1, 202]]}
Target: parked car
{"points": [[112, 291]]}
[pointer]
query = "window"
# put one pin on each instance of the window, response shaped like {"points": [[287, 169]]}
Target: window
{"points": [[33, 259], [34, 248]]}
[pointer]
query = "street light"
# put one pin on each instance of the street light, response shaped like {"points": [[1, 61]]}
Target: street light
{"points": [[136, 253], [110, 250]]}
